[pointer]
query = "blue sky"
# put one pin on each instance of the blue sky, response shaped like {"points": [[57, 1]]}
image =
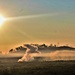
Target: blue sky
{"points": [[59, 27], [20, 7]]}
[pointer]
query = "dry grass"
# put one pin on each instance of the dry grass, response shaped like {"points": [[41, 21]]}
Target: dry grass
{"points": [[10, 66]]}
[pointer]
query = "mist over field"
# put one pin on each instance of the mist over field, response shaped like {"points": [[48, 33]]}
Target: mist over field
{"points": [[41, 60], [45, 56]]}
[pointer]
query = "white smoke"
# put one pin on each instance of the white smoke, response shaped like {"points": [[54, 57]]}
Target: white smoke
{"points": [[63, 55], [58, 55], [30, 53]]}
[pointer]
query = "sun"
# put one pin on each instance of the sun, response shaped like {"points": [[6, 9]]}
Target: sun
{"points": [[2, 20]]}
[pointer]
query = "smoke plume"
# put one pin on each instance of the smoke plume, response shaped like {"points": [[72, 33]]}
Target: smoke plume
{"points": [[33, 54], [30, 53]]}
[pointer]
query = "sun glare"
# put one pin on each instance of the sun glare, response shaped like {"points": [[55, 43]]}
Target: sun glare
{"points": [[2, 19]]}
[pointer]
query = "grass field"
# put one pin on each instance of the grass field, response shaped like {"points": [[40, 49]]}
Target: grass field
{"points": [[10, 66]]}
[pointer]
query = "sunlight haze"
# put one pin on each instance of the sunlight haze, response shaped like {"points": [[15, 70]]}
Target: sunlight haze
{"points": [[37, 21]]}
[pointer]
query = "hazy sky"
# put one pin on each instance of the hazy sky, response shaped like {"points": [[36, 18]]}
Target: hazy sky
{"points": [[59, 27]]}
